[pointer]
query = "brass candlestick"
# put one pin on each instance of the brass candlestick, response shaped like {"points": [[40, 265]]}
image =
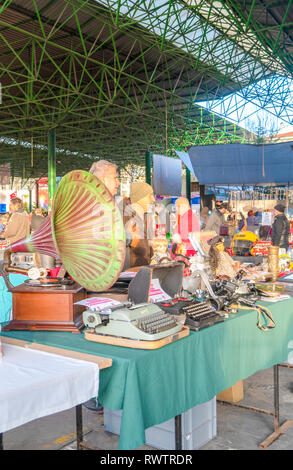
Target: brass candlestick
{"points": [[273, 262]]}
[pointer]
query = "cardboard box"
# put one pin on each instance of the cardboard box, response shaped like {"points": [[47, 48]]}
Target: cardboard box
{"points": [[233, 394]]}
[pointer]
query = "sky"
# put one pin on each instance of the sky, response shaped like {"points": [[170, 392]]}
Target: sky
{"points": [[269, 105]]}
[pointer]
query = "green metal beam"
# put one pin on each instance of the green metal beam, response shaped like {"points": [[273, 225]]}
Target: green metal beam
{"points": [[51, 164]]}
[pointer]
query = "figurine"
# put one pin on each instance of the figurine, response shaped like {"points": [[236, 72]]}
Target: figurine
{"points": [[161, 254]]}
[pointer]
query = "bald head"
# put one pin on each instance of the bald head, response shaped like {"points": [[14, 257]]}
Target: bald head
{"points": [[107, 173]]}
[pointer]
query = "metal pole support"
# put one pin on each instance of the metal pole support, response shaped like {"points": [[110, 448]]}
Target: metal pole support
{"points": [[188, 184], [148, 167], [51, 164], [79, 433], [178, 432]]}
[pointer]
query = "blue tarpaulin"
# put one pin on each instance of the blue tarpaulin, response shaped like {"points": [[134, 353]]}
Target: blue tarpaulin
{"points": [[242, 163]]}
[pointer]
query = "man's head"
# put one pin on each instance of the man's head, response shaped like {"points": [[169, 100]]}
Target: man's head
{"points": [[15, 204], [182, 205], [223, 208], [279, 209], [107, 173], [142, 194]]}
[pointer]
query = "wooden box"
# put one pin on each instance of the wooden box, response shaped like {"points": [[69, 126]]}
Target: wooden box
{"points": [[47, 308]]}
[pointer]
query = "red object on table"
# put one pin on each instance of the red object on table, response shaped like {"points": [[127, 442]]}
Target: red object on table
{"points": [[261, 247], [284, 273], [54, 272]]}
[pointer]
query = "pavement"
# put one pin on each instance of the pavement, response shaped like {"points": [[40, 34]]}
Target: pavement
{"points": [[237, 428]]}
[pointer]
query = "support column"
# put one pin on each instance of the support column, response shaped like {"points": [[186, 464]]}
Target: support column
{"points": [[148, 167], [30, 205], [51, 164], [187, 184], [37, 193]]}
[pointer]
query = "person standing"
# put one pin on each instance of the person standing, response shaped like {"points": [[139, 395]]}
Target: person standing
{"points": [[37, 219], [216, 219], [280, 228], [18, 226]]}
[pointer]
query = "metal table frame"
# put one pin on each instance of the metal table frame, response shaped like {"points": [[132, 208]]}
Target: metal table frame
{"points": [[278, 429], [80, 444]]}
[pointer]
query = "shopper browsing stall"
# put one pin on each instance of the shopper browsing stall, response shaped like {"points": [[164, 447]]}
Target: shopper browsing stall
{"points": [[18, 225], [37, 219], [280, 228], [216, 219]]}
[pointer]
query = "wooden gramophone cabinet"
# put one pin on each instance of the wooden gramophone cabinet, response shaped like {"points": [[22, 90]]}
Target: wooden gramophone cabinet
{"points": [[47, 308]]}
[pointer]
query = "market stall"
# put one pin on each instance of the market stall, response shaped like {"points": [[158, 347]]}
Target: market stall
{"points": [[163, 316], [154, 386]]}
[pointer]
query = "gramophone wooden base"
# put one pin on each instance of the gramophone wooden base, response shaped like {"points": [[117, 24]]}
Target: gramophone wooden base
{"points": [[47, 309]]}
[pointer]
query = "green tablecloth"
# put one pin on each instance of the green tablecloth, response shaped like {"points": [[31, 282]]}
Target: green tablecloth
{"points": [[154, 386]]}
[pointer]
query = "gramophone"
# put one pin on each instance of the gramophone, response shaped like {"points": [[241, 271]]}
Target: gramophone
{"points": [[85, 231]]}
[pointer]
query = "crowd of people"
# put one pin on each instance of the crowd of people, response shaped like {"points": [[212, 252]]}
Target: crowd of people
{"points": [[278, 232], [146, 218]]}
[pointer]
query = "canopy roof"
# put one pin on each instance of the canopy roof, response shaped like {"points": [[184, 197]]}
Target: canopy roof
{"points": [[241, 163], [117, 78]]}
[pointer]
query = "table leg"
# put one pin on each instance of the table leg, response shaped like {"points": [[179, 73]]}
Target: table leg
{"points": [[278, 430], [178, 432], [79, 434], [276, 398]]}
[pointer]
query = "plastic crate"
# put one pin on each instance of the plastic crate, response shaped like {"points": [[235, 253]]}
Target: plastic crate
{"points": [[199, 426]]}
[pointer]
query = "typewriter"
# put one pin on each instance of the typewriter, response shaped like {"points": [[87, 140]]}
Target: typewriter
{"points": [[139, 322], [199, 315]]}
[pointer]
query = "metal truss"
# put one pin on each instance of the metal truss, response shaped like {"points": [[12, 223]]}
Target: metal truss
{"points": [[274, 96], [266, 26], [118, 78]]}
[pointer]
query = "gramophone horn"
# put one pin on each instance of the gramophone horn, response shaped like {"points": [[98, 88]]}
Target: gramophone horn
{"points": [[85, 231]]}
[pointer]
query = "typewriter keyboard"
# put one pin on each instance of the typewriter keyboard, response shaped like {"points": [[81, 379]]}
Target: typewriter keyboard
{"points": [[199, 310], [156, 322], [200, 315]]}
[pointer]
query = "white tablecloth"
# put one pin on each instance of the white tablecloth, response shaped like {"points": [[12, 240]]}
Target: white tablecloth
{"points": [[34, 384]]}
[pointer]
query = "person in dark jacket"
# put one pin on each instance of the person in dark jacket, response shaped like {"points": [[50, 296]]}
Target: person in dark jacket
{"points": [[280, 228]]}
